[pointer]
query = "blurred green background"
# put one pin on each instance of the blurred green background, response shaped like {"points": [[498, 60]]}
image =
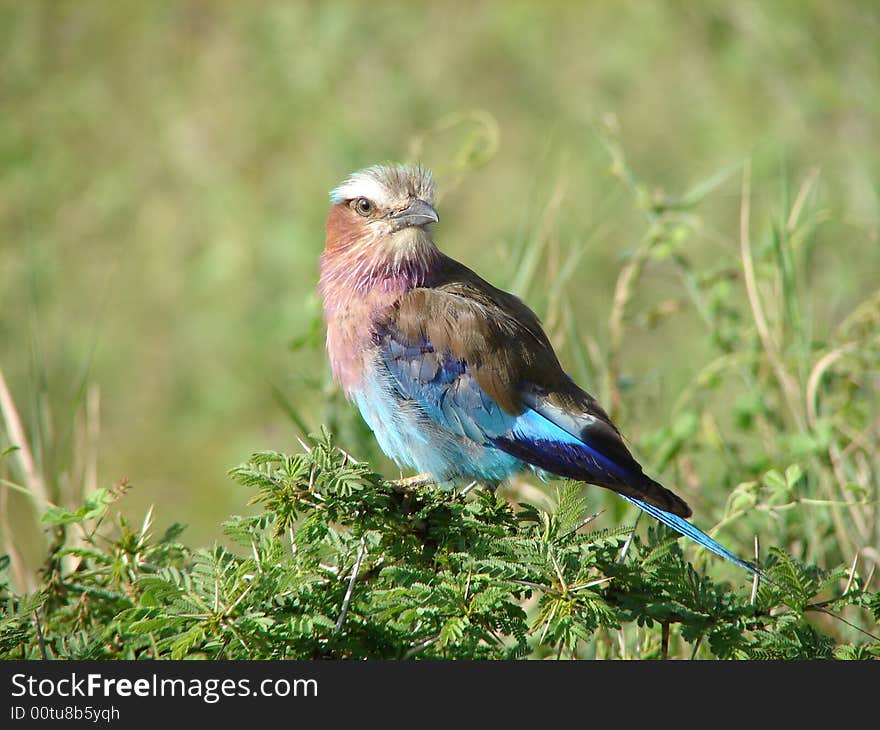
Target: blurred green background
{"points": [[164, 170]]}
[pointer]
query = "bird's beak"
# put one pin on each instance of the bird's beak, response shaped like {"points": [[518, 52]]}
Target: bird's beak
{"points": [[418, 213]]}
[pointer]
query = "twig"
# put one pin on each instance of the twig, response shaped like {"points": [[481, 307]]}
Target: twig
{"points": [[841, 618], [584, 522], [354, 573], [696, 646], [420, 647], [41, 642], [532, 584]]}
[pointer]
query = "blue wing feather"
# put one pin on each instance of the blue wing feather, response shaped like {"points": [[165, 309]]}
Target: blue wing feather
{"points": [[445, 388]]}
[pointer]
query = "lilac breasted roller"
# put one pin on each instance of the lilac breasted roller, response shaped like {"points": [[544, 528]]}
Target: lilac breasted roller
{"points": [[455, 377]]}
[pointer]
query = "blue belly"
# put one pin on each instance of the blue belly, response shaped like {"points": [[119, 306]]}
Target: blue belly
{"points": [[412, 439]]}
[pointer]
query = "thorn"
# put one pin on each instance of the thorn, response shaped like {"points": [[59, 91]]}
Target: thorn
{"points": [[467, 489], [148, 520], [852, 574], [625, 549], [590, 584], [562, 582], [756, 577]]}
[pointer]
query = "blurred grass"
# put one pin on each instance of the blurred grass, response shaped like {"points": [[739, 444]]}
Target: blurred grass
{"points": [[164, 170]]}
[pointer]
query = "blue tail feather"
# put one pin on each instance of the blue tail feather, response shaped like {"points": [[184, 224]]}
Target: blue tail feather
{"points": [[685, 528]]}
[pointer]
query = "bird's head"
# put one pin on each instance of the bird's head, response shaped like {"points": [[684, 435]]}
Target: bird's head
{"points": [[385, 200], [379, 222]]}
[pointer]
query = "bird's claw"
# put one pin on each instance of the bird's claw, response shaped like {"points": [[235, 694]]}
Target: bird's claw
{"points": [[406, 484]]}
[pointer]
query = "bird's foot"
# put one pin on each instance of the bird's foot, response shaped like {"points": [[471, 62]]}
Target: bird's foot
{"points": [[406, 484]]}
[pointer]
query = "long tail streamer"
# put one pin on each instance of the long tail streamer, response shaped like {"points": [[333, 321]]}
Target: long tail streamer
{"points": [[683, 527]]}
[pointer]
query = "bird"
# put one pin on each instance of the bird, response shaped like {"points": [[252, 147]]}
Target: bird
{"points": [[456, 378]]}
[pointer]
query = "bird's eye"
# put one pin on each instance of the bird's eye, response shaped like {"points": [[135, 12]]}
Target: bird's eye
{"points": [[362, 206]]}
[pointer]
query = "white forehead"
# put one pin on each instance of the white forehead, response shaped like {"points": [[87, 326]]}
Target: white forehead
{"points": [[385, 184], [360, 185]]}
